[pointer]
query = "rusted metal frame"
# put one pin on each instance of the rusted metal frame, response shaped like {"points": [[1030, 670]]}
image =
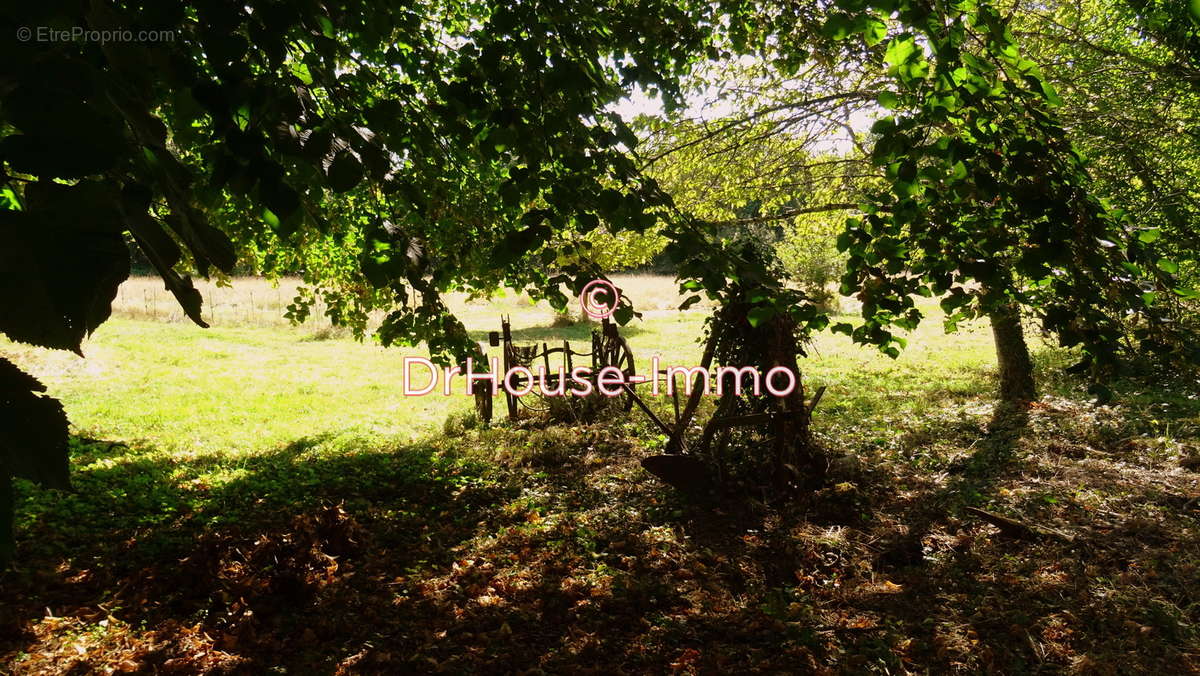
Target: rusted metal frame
{"points": [[675, 442], [646, 409]]}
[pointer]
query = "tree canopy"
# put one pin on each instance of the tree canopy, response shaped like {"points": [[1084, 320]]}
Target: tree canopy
{"points": [[395, 152]]}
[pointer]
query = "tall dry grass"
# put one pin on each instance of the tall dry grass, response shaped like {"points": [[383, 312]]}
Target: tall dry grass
{"points": [[249, 301], [259, 302]]}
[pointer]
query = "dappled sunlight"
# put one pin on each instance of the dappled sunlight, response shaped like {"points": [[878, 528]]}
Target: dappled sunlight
{"points": [[832, 337], [549, 545], [293, 508]]}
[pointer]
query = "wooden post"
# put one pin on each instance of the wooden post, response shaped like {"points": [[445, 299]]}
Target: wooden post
{"points": [[506, 335], [675, 443]]}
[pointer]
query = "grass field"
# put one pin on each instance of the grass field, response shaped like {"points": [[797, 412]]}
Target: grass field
{"points": [[259, 495], [256, 382]]}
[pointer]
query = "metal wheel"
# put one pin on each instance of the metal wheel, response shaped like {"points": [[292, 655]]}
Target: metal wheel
{"points": [[616, 353]]}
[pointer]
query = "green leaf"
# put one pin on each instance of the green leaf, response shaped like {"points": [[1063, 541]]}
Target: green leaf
{"points": [[1049, 92], [587, 222], [300, 70], [345, 172], [1149, 236], [900, 50], [874, 32], [518, 243], [57, 278], [959, 171], [280, 198], [8, 200], [888, 100], [760, 314], [242, 117], [1168, 266], [270, 218], [610, 202], [838, 26], [326, 26], [33, 430], [845, 240]]}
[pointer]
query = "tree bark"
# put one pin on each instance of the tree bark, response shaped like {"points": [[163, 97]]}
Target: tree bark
{"points": [[1012, 356]]}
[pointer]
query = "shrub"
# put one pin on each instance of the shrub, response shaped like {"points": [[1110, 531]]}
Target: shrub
{"points": [[459, 422], [810, 256]]}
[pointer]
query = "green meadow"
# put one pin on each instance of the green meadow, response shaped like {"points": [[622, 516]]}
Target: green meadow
{"points": [[259, 494]]}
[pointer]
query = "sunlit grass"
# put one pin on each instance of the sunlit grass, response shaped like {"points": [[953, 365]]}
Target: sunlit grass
{"points": [[261, 382], [243, 435]]}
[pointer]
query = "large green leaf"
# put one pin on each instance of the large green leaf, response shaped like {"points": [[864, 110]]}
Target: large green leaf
{"points": [[345, 172], [57, 277], [33, 443], [33, 430]]}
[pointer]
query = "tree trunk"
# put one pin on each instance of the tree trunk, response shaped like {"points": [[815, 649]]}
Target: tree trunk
{"points": [[1012, 356], [794, 446]]}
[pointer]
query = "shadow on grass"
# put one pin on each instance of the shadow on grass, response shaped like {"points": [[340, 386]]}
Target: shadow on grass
{"points": [[366, 560], [327, 555], [258, 553]]}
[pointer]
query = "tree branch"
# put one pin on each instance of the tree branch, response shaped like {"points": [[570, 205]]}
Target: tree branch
{"points": [[849, 96], [790, 213]]}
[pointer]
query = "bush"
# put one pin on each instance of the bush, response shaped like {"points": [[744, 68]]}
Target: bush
{"points": [[565, 318], [459, 422], [809, 254]]}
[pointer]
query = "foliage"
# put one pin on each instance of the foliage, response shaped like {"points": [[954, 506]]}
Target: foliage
{"points": [[769, 156], [1131, 105], [1173, 25], [989, 203], [624, 251], [755, 140], [422, 120], [34, 445], [456, 140], [810, 256], [395, 153]]}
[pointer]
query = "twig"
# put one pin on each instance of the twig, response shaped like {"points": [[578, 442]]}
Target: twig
{"points": [[1019, 530]]}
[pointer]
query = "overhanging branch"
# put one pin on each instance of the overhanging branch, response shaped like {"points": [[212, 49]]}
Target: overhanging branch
{"points": [[841, 96], [790, 213]]}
